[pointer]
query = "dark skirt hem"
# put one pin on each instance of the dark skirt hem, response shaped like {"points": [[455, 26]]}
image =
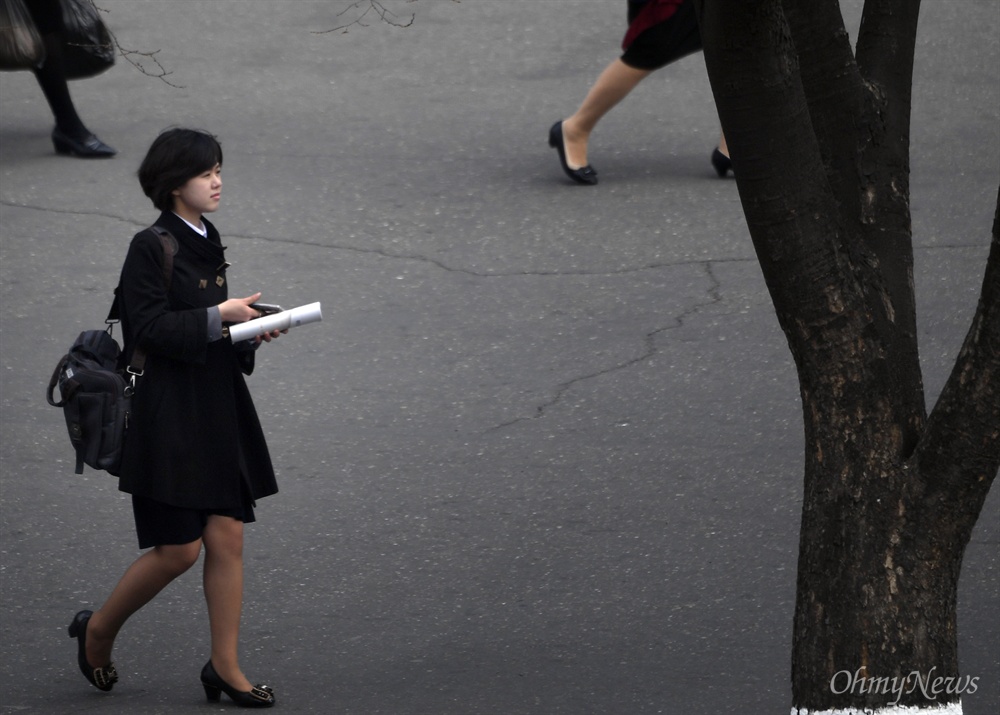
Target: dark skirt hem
{"points": [[159, 524]]}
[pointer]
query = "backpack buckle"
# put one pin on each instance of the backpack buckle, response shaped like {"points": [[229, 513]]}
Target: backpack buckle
{"points": [[130, 387]]}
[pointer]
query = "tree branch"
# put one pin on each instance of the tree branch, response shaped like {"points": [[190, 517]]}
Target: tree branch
{"points": [[963, 430], [868, 174], [792, 215], [834, 90], [137, 58], [373, 6], [825, 283], [886, 44], [370, 6]]}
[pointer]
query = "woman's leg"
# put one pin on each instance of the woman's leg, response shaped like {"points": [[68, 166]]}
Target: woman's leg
{"points": [[723, 147], [52, 80], [51, 76], [146, 577], [611, 87], [720, 158], [224, 594]]}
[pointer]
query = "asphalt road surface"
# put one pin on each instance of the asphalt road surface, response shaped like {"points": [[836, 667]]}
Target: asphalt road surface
{"points": [[543, 455]]}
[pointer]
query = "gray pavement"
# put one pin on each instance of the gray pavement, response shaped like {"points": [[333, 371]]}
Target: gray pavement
{"points": [[543, 455]]}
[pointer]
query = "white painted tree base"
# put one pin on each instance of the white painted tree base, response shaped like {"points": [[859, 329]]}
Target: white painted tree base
{"points": [[949, 709]]}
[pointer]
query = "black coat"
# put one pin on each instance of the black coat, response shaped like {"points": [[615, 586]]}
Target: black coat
{"points": [[193, 433]]}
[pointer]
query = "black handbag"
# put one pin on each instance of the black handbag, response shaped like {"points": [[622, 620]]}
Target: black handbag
{"points": [[21, 46], [87, 46]]}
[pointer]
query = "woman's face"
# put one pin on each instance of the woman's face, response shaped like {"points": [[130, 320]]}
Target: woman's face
{"points": [[199, 194]]}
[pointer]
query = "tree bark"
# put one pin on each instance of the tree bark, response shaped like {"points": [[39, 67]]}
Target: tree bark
{"points": [[820, 150], [860, 112]]}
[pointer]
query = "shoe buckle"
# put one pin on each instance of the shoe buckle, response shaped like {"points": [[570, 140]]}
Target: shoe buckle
{"points": [[262, 692], [106, 676]]}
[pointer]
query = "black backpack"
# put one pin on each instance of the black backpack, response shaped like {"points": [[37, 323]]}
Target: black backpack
{"points": [[96, 394]]}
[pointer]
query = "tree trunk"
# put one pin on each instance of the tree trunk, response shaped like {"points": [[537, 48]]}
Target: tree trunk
{"points": [[819, 143]]}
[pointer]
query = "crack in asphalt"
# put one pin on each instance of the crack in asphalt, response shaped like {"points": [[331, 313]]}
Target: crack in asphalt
{"points": [[414, 257], [649, 341]]}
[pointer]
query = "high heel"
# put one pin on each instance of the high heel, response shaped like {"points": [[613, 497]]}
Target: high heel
{"points": [[101, 678], [583, 175], [88, 147], [722, 163], [259, 696]]}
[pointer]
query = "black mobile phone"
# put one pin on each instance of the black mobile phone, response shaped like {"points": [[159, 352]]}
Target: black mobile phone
{"points": [[266, 308]]}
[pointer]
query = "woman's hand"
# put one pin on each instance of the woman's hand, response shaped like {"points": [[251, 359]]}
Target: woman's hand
{"points": [[238, 310], [268, 337]]}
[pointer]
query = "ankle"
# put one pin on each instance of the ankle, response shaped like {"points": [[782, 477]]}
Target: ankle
{"points": [[231, 673], [572, 132], [73, 130], [99, 642], [96, 628]]}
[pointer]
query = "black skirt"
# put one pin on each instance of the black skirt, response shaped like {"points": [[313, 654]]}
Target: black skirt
{"points": [[665, 42], [159, 524]]}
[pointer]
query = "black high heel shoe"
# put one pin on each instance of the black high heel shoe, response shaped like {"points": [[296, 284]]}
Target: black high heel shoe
{"points": [[583, 175], [722, 163], [259, 696], [101, 678], [88, 147]]}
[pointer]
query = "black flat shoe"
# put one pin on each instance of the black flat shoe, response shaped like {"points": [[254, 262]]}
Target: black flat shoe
{"points": [[88, 147], [101, 678], [722, 163], [583, 175], [259, 696]]}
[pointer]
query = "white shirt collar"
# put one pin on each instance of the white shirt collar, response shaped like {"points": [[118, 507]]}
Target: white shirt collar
{"points": [[200, 229]]}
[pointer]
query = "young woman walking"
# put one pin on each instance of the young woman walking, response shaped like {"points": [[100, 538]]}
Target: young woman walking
{"points": [[195, 461], [660, 32]]}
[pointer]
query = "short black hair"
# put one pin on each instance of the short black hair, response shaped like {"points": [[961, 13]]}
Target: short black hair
{"points": [[176, 156]]}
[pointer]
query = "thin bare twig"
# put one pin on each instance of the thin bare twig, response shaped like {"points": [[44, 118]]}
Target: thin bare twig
{"points": [[136, 58], [364, 7], [372, 6]]}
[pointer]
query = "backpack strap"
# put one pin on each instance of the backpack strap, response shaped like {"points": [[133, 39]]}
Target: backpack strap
{"points": [[170, 247], [54, 380], [169, 244]]}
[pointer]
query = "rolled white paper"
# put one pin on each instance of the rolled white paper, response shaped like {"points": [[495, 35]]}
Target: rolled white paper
{"points": [[276, 321]]}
